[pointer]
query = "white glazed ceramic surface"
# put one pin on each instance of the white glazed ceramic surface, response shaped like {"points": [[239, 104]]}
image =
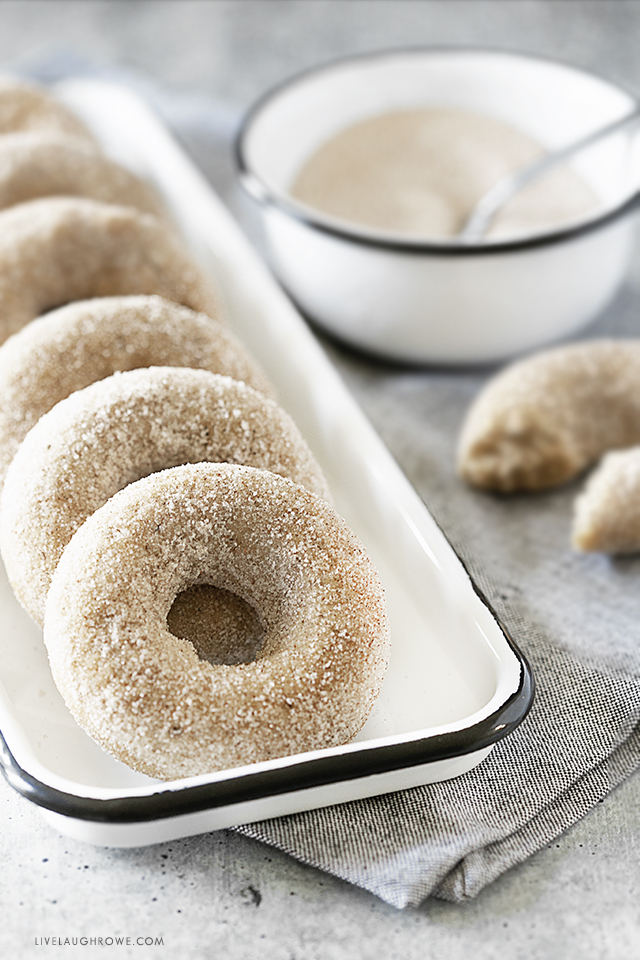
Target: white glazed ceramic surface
{"points": [[451, 666], [424, 301]]}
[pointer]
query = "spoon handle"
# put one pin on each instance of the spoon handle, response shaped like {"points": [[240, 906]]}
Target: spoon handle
{"points": [[488, 206]]}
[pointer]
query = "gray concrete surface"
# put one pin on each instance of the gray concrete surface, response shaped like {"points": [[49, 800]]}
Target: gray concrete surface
{"points": [[221, 895]]}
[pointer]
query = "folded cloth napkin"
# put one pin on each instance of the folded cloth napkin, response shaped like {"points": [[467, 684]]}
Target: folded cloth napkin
{"points": [[450, 839], [575, 617]]}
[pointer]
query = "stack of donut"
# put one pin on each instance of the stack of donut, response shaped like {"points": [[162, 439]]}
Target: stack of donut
{"points": [[162, 518]]}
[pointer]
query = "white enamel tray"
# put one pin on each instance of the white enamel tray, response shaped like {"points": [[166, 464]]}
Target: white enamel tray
{"points": [[456, 683]]}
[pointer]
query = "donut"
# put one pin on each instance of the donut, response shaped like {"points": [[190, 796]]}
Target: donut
{"points": [[59, 249], [118, 430], [546, 418], [25, 106], [72, 347], [607, 512], [145, 695], [34, 164]]}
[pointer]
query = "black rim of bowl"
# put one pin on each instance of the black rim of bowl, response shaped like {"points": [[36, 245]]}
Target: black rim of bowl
{"points": [[259, 190]]}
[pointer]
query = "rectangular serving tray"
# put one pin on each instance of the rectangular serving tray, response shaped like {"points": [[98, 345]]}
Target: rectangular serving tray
{"points": [[456, 683]]}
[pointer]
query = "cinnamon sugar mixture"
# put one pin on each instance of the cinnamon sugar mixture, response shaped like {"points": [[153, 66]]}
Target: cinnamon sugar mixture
{"points": [[420, 172]]}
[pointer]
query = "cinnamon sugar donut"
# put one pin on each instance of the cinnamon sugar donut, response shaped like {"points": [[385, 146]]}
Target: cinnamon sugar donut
{"points": [[118, 430], [59, 249], [35, 164], [607, 512], [72, 347], [544, 419], [25, 106], [144, 694]]}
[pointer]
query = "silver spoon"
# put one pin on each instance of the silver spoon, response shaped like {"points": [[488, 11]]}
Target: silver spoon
{"points": [[492, 202]]}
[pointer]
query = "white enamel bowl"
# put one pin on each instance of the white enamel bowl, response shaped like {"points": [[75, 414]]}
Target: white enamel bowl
{"points": [[439, 302]]}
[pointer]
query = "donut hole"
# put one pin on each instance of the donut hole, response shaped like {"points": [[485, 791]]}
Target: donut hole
{"points": [[223, 628]]}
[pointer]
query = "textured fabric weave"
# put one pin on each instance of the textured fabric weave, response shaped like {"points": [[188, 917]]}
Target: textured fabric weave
{"points": [[451, 839], [575, 618]]}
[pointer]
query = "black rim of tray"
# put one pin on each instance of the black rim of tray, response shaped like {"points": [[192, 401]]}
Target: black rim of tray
{"points": [[311, 772]]}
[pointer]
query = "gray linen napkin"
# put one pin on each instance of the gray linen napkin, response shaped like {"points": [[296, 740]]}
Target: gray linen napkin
{"points": [[451, 839], [575, 617]]}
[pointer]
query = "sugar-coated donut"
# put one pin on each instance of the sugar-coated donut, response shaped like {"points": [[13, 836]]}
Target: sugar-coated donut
{"points": [[544, 419], [144, 694], [72, 347], [607, 512], [118, 430], [59, 249], [25, 106], [34, 165]]}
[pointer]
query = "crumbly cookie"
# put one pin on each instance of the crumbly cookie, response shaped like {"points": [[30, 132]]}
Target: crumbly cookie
{"points": [[607, 512], [544, 419]]}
